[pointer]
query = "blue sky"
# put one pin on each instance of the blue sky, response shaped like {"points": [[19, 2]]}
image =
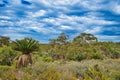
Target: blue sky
{"points": [[46, 19]]}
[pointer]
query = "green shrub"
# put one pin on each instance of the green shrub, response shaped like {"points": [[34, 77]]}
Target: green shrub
{"points": [[4, 68], [80, 57], [93, 74], [70, 70], [70, 57], [116, 75], [115, 54], [7, 73], [96, 56], [47, 59], [7, 55], [50, 74]]}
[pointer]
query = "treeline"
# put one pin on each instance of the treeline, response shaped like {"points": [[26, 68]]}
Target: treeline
{"points": [[83, 46]]}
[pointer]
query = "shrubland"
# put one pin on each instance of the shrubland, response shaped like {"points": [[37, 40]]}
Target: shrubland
{"points": [[83, 58]]}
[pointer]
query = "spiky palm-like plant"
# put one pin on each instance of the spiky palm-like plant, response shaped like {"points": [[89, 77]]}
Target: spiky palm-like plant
{"points": [[26, 46]]}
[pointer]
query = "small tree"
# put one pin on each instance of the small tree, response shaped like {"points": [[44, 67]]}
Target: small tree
{"points": [[58, 46], [62, 38], [4, 40], [85, 37], [26, 46]]}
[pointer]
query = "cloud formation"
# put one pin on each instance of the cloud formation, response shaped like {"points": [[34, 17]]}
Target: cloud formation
{"points": [[45, 19]]}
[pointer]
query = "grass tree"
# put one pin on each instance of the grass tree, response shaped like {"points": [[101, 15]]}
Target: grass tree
{"points": [[26, 46]]}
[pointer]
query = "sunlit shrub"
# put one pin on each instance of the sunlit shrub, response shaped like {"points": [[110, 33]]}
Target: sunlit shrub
{"points": [[115, 75], [7, 55], [96, 56], [50, 74], [93, 74], [115, 54], [70, 57], [7, 73], [69, 70], [80, 56], [47, 59]]}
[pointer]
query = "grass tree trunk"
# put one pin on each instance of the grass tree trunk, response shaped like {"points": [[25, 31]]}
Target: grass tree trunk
{"points": [[24, 60]]}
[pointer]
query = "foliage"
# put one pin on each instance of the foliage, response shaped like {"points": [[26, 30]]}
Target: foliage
{"points": [[85, 37], [83, 58], [93, 74], [96, 56], [70, 70], [116, 75], [4, 40], [47, 59], [62, 38], [80, 56], [26, 45], [50, 74], [7, 55]]}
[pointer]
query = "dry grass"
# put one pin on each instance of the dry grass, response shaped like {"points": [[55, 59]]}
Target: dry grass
{"points": [[61, 70]]}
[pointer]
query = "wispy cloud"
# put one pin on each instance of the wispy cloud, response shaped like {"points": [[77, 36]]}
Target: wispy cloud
{"points": [[94, 30], [37, 14], [47, 18], [116, 9]]}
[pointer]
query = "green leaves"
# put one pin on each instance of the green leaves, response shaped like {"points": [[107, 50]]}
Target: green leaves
{"points": [[26, 45], [85, 37], [61, 39], [7, 54], [4, 40]]}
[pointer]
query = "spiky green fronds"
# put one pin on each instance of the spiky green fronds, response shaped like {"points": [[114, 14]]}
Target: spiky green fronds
{"points": [[26, 45]]}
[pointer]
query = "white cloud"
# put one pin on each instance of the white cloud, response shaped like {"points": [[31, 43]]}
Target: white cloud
{"points": [[65, 4], [30, 17], [113, 6], [94, 13], [117, 9], [90, 5], [5, 17], [95, 20], [6, 23], [57, 2], [79, 20], [35, 25], [37, 13], [54, 21], [15, 2], [13, 32], [29, 0], [108, 38], [43, 29], [95, 30], [16, 35], [66, 27]]}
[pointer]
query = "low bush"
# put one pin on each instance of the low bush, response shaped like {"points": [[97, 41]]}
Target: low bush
{"points": [[47, 59], [96, 56], [80, 57], [70, 70], [7, 55]]}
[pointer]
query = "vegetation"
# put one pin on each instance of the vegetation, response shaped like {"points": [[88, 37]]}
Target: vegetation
{"points": [[83, 58], [26, 46]]}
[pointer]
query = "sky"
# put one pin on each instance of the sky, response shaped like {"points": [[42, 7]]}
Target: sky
{"points": [[46, 19]]}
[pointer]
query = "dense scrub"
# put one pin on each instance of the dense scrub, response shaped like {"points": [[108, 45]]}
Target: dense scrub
{"points": [[83, 58], [70, 70]]}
